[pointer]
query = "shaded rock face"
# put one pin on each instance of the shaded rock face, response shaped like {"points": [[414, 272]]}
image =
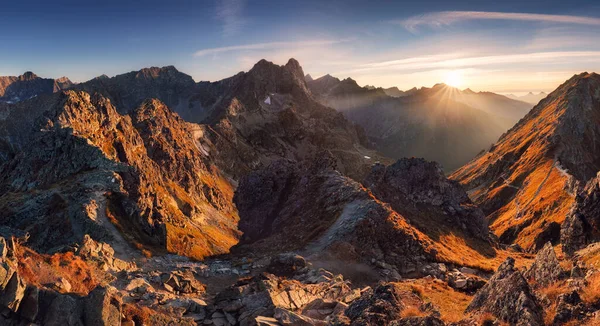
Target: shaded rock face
{"points": [[16, 89], [127, 91], [311, 206], [507, 296], [77, 164], [582, 225], [377, 307], [546, 267], [420, 191]]}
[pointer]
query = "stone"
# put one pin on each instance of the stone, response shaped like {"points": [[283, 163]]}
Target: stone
{"points": [[507, 296], [102, 307], [546, 267], [286, 264]]}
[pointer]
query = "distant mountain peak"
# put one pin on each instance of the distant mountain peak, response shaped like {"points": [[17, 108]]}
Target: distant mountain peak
{"points": [[28, 75], [155, 72]]}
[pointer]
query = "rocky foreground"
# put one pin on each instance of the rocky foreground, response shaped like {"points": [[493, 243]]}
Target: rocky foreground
{"points": [[89, 286]]}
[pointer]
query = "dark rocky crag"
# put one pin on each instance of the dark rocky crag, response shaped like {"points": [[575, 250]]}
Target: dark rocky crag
{"points": [[420, 191]]}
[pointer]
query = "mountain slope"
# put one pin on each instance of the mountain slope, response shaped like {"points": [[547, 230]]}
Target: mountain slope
{"points": [[408, 216], [526, 182], [14, 89], [72, 165], [436, 123]]}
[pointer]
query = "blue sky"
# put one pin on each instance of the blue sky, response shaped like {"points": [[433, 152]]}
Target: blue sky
{"points": [[508, 46]]}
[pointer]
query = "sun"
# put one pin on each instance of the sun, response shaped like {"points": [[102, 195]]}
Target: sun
{"points": [[454, 78]]}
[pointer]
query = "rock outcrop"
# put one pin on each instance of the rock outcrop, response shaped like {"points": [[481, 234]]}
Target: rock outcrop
{"points": [[23, 304], [546, 267], [582, 225], [507, 296], [312, 207], [385, 305], [420, 191]]}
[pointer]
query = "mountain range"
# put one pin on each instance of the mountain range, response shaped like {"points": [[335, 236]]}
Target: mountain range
{"points": [[440, 123], [14, 89], [529, 97], [272, 198]]}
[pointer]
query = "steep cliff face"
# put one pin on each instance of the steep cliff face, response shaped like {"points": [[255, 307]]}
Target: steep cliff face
{"points": [[84, 168], [526, 183], [19, 88]]}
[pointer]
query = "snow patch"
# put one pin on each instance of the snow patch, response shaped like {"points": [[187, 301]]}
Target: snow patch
{"points": [[268, 100], [367, 157]]}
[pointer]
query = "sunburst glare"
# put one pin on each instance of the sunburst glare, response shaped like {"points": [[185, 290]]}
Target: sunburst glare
{"points": [[454, 78]]}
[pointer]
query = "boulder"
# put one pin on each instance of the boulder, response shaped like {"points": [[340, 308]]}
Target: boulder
{"points": [[102, 307], [546, 267], [286, 264], [507, 296]]}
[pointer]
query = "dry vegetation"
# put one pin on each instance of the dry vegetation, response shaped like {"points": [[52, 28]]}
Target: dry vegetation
{"points": [[450, 303], [44, 270]]}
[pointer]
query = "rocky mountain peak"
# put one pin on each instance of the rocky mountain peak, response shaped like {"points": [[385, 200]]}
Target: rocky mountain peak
{"points": [[28, 75], [156, 72]]}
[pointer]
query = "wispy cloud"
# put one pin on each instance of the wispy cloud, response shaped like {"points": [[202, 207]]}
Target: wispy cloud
{"points": [[444, 18], [459, 61], [268, 45], [229, 12]]}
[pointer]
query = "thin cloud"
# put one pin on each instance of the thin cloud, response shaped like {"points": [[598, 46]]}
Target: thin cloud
{"points": [[262, 46], [446, 60], [229, 12], [444, 18]]}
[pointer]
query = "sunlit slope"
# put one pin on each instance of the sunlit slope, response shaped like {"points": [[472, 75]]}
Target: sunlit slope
{"points": [[525, 183]]}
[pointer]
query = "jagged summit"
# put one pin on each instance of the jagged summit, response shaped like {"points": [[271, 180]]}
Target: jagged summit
{"points": [[538, 163], [28, 75], [156, 72]]}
